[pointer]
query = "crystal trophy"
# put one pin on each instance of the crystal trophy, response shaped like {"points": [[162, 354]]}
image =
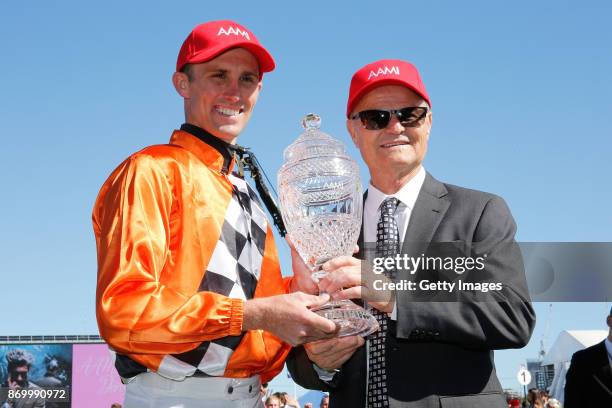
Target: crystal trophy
{"points": [[322, 203]]}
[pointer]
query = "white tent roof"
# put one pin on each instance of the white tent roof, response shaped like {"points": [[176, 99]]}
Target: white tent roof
{"points": [[570, 341]]}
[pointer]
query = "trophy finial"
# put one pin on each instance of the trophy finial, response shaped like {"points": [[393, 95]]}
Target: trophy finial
{"points": [[311, 121]]}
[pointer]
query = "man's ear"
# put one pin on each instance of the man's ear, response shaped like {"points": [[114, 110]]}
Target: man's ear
{"points": [[351, 129], [259, 86], [428, 122], [180, 80]]}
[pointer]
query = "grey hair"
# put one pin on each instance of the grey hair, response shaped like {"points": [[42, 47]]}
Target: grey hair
{"points": [[424, 102]]}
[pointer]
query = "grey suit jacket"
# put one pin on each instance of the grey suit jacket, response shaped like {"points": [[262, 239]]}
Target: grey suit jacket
{"points": [[440, 352]]}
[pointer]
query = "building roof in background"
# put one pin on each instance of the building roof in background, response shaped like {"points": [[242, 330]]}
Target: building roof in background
{"points": [[570, 341]]}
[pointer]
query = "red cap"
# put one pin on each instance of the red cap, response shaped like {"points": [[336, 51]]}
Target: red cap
{"points": [[208, 40], [385, 72]]}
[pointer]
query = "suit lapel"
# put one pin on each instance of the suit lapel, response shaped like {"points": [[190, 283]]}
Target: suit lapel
{"points": [[428, 211]]}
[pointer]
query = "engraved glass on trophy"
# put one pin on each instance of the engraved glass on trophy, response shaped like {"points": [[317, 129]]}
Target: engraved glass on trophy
{"points": [[321, 203]]}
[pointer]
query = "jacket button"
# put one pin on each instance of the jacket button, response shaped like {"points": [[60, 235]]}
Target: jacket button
{"points": [[230, 389], [250, 388]]}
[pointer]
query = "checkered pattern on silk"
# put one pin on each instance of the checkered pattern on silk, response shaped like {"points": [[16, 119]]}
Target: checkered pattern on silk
{"points": [[387, 245], [233, 271]]}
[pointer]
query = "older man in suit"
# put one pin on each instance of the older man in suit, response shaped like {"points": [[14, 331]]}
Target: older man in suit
{"points": [[588, 382], [430, 351]]}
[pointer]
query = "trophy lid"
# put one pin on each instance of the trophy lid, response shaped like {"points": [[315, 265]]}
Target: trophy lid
{"points": [[313, 142]]}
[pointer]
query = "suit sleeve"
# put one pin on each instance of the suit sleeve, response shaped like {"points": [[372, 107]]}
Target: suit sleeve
{"points": [[303, 372], [500, 320], [574, 385], [136, 311]]}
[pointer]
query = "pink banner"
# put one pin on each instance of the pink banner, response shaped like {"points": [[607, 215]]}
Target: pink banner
{"points": [[95, 382]]}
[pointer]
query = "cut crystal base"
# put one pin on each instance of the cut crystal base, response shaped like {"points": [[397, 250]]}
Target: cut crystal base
{"points": [[353, 320]]}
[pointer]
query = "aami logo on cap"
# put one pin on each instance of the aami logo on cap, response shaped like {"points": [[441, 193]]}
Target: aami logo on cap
{"points": [[233, 31], [394, 70]]}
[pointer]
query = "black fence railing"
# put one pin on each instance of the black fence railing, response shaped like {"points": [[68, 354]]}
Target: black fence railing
{"points": [[80, 338]]}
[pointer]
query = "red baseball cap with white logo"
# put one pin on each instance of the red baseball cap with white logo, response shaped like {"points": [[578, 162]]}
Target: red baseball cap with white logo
{"points": [[385, 72], [208, 40]]}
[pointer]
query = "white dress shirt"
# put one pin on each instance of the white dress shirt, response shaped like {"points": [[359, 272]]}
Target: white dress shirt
{"points": [[407, 197]]}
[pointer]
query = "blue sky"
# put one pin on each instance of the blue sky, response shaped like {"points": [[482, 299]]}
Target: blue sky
{"points": [[520, 93]]}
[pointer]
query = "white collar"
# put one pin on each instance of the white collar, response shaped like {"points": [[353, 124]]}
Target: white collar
{"points": [[609, 347], [407, 194]]}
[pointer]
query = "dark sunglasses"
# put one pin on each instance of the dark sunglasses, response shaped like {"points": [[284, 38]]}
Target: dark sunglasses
{"points": [[376, 119]]}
